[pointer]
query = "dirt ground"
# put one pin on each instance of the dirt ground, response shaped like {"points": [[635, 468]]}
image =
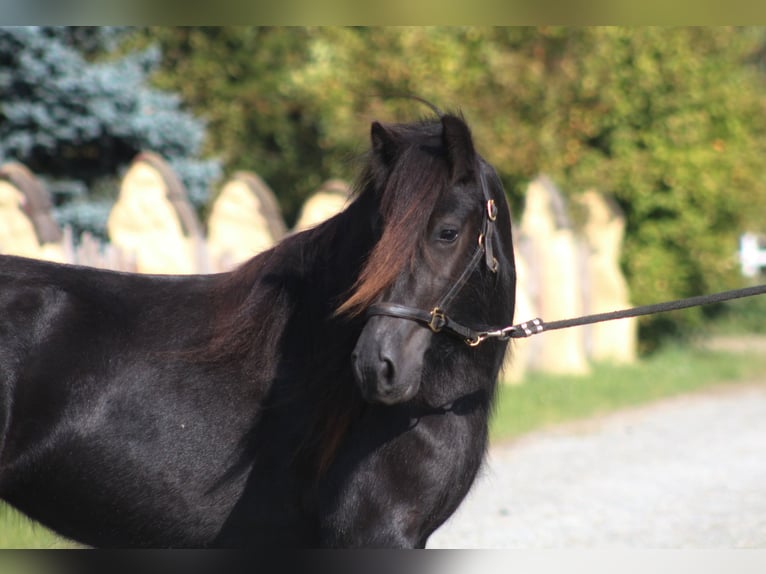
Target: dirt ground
{"points": [[687, 472]]}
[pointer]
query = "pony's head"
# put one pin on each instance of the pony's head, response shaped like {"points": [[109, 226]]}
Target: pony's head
{"points": [[439, 205]]}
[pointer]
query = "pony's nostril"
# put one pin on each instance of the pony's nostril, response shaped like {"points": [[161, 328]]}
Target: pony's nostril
{"points": [[387, 370]]}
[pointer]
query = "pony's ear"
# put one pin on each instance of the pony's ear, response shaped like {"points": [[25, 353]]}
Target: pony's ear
{"points": [[457, 140], [384, 143]]}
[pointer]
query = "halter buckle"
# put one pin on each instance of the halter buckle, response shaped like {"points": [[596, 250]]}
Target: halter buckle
{"points": [[438, 320]]}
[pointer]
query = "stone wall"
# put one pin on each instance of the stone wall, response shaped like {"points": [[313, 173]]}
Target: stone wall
{"points": [[245, 219], [330, 199], [153, 221], [27, 227]]}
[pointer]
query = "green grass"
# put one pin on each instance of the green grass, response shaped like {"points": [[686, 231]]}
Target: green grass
{"points": [[738, 317], [18, 531], [541, 401], [544, 400]]}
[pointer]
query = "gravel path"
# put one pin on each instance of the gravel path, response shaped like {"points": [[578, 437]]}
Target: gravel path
{"points": [[688, 472]]}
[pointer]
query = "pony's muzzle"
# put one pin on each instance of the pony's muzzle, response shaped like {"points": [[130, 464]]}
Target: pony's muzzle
{"points": [[388, 359], [378, 374]]}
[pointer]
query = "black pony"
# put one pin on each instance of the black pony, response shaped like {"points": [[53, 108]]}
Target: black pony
{"points": [[273, 405]]}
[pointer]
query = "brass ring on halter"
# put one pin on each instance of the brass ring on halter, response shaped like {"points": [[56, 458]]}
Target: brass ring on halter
{"points": [[491, 210]]}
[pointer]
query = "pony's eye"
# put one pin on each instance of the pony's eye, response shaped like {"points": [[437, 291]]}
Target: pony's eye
{"points": [[448, 235]]}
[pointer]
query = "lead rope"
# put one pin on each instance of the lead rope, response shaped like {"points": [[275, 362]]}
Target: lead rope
{"points": [[535, 326]]}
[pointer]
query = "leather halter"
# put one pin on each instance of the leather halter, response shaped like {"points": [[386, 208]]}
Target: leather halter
{"points": [[437, 319]]}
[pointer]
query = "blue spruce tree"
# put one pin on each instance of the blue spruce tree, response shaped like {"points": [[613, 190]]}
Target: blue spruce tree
{"points": [[77, 120]]}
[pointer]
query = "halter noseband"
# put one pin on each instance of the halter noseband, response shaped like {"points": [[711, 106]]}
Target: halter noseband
{"points": [[437, 319]]}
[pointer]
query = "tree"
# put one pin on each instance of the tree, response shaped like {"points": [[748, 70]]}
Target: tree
{"points": [[239, 80], [78, 120]]}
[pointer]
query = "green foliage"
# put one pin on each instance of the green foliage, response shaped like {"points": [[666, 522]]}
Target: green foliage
{"points": [[671, 122], [738, 317], [675, 130], [18, 531]]}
